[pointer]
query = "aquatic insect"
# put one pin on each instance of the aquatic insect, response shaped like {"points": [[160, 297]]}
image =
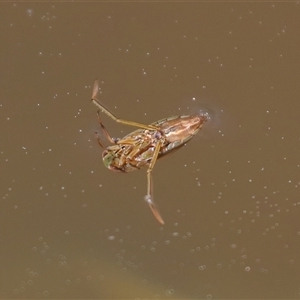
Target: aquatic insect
{"points": [[145, 145]]}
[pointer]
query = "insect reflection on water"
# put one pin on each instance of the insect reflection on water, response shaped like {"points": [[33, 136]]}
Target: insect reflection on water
{"points": [[145, 145]]}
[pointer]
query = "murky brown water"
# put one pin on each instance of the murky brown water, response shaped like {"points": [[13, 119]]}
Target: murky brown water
{"points": [[70, 228]]}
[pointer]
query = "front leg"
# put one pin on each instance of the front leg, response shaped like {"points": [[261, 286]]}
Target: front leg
{"points": [[111, 139]]}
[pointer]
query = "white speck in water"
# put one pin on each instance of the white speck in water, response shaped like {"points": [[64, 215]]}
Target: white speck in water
{"points": [[29, 12]]}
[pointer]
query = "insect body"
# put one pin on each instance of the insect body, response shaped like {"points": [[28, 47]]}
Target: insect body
{"points": [[145, 145]]}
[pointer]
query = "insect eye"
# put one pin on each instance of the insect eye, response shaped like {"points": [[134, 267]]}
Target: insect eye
{"points": [[107, 158]]}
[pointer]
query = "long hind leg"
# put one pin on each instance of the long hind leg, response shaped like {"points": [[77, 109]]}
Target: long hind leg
{"points": [[108, 113], [149, 196]]}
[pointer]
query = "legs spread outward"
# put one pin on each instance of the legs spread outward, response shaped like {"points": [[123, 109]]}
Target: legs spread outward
{"points": [[149, 196]]}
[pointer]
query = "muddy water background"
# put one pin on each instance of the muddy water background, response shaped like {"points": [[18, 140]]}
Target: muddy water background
{"points": [[71, 228]]}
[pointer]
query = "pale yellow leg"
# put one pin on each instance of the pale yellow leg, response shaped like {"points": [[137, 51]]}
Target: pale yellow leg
{"points": [[108, 113], [149, 196]]}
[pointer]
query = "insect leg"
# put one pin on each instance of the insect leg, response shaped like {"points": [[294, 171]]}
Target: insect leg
{"points": [[99, 140], [149, 196], [108, 113], [112, 140]]}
